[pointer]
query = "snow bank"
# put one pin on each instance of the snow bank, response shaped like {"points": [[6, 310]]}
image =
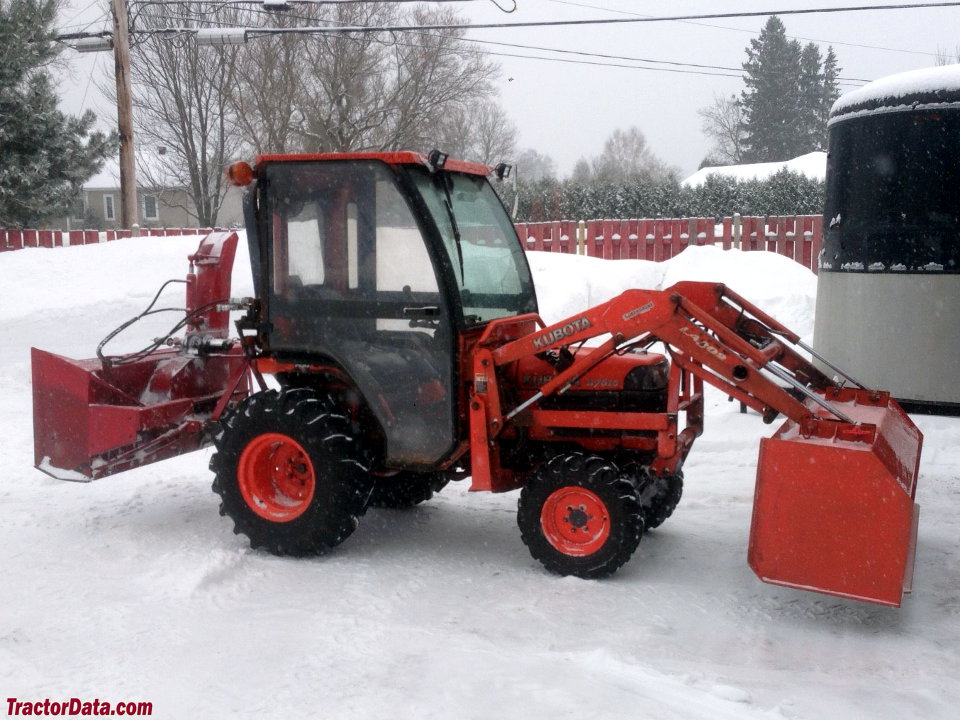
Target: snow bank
{"points": [[568, 284], [813, 165], [91, 275]]}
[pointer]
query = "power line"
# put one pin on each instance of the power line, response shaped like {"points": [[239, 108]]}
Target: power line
{"points": [[676, 66], [581, 22], [633, 20], [739, 70], [614, 64], [700, 69], [568, 23], [840, 43]]}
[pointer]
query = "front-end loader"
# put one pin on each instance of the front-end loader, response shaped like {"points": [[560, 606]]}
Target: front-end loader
{"points": [[396, 314]]}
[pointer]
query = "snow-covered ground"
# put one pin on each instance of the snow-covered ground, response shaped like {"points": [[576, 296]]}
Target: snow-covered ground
{"points": [[133, 588]]}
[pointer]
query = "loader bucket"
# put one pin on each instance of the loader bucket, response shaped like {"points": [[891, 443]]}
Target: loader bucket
{"points": [[834, 508], [91, 421]]}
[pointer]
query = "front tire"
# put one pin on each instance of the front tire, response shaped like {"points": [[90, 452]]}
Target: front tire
{"points": [[579, 516], [290, 472]]}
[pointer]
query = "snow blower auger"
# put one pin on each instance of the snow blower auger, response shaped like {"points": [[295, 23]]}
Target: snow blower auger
{"points": [[396, 311]]}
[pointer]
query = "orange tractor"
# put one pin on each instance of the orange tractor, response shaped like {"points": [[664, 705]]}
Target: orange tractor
{"points": [[396, 313]]}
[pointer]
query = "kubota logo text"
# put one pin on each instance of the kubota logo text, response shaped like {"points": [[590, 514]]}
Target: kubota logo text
{"points": [[700, 342], [572, 327]]}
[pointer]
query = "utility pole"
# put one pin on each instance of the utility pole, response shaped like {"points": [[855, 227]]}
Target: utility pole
{"points": [[128, 168]]}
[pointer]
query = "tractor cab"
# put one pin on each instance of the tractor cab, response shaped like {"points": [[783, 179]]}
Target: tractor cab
{"points": [[378, 264]]}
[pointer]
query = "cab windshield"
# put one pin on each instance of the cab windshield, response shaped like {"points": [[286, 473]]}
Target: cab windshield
{"points": [[492, 274]]}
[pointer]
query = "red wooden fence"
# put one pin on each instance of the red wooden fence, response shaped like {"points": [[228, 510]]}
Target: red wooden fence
{"points": [[797, 237]]}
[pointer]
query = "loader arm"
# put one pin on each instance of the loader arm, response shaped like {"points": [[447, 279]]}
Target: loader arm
{"points": [[709, 331]]}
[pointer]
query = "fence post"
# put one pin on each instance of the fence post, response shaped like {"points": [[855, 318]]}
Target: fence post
{"points": [[737, 230], [607, 250], [560, 240], [581, 238], [633, 238]]}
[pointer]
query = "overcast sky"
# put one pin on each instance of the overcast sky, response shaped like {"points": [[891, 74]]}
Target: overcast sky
{"points": [[567, 109]]}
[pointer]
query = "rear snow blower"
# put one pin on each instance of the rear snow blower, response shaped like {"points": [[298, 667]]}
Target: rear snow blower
{"points": [[93, 418], [395, 309]]}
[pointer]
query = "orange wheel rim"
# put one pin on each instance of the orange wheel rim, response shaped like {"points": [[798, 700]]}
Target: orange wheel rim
{"points": [[276, 477], [575, 521]]}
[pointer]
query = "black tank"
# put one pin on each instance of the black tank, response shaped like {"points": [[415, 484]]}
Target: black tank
{"points": [[893, 177]]}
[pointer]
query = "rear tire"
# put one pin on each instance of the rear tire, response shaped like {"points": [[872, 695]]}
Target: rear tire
{"points": [[659, 494], [659, 497], [290, 472], [405, 489], [579, 516]]}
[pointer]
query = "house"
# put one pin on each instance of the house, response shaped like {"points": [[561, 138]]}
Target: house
{"points": [[160, 204]]}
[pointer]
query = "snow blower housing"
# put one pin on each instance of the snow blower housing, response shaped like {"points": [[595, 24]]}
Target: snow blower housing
{"points": [[395, 308]]}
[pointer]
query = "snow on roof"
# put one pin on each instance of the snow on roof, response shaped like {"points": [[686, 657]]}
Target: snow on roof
{"points": [[926, 85], [149, 165], [813, 165]]}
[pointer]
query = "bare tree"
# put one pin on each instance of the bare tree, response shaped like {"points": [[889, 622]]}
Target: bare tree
{"points": [[723, 124], [181, 105], [265, 100], [582, 172], [359, 91], [304, 92], [533, 166], [625, 156], [945, 57], [479, 131]]}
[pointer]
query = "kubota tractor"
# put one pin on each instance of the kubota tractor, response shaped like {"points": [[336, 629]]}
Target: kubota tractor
{"points": [[395, 309]]}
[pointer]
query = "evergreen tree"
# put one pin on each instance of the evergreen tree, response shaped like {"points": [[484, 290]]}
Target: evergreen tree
{"points": [[46, 155], [773, 124], [790, 90], [829, 90], [785, 193], [810, 95]]}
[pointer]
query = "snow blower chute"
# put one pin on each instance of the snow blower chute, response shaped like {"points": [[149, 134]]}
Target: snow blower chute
{"points": [[396, 310]]}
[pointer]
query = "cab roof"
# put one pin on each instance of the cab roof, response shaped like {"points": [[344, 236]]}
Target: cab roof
{"points": [[390, 158]]}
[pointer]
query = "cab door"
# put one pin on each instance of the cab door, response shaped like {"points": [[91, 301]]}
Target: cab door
{"points": [[352, 279]]}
